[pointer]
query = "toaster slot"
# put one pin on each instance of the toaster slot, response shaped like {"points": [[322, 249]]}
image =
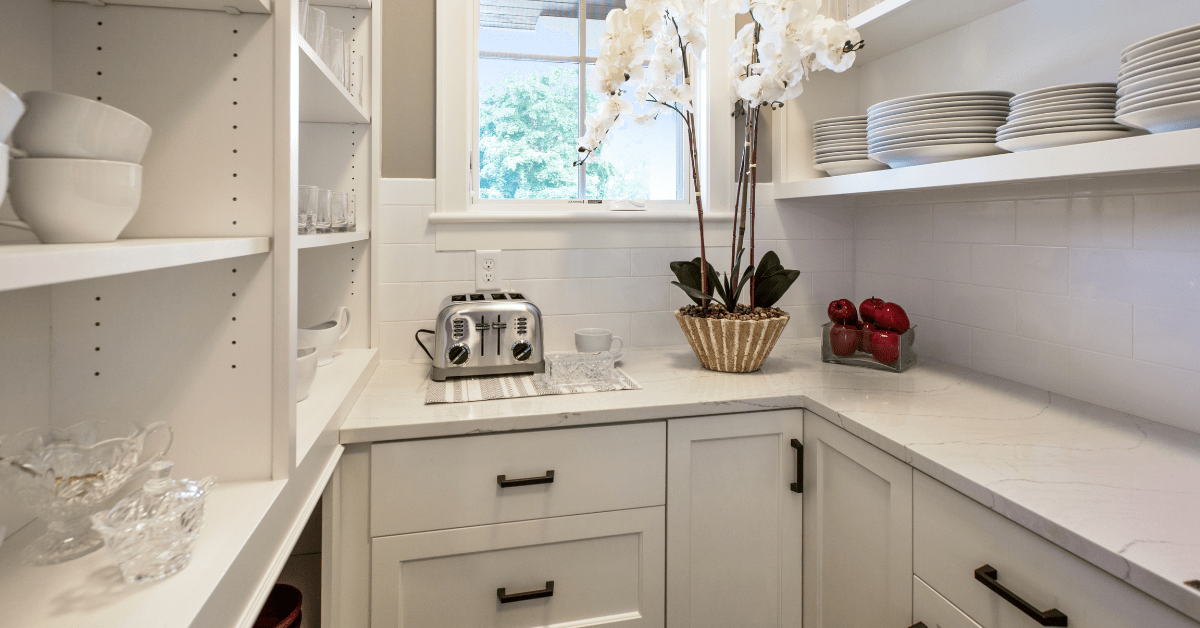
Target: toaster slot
{"points": [[477, 297]]}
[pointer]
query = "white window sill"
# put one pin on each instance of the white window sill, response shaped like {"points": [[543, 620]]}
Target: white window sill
{"points": [[601, 216]]}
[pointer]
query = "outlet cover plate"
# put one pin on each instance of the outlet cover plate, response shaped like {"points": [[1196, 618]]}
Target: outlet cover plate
{"points": [[487, 271]]}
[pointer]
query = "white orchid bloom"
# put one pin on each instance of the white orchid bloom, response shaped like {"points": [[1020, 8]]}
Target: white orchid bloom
{"points": [[726, 9]]}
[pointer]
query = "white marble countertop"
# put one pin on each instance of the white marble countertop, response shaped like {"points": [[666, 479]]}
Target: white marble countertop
{"points": [[1119, 491]]}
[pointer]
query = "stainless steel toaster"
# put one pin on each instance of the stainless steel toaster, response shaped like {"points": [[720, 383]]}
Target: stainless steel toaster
{"points": [[491, 333]]}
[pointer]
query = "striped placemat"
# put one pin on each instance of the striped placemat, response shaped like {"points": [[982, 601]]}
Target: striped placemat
{"points": [[462, 389]]}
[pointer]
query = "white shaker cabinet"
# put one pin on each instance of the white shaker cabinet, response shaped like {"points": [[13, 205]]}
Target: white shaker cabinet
{"points": [[733, 521], [857, 531]]}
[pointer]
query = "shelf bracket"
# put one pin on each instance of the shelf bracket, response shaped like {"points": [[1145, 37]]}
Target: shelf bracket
{"points": [[232, 10]]}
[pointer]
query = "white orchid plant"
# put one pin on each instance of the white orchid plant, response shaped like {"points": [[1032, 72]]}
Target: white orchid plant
{"points": [[769, 59]]}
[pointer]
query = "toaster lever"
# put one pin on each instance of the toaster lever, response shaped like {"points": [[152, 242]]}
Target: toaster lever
{"points": [[482, 326], [498, 325]]}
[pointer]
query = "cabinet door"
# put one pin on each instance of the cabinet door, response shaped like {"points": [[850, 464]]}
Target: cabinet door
{"points": [[733, 522], [931, 610], [857, 532]]}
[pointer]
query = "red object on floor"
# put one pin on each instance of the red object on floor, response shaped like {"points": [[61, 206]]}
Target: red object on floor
{"points": [[282, 609]]}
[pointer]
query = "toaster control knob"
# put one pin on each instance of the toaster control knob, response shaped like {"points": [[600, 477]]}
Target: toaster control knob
{"points": [[459, 353], [522, 350]]}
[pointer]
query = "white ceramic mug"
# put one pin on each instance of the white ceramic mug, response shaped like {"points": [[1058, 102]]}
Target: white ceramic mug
{"points": [[306, 371], [325, 336], [596, 340]]}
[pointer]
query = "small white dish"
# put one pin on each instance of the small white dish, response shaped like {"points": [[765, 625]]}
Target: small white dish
{"points": [[1163, 119], [1052, 140], [854, 166], [306, 371], [325, 336], [1151, 45], [1062, 129], [921, 155], [597, 340], [74, 200], [11, 109], [65, 125], [1158, 102]]}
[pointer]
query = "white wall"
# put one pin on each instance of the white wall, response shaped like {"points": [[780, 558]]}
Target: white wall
{"points": [[626, 290]]}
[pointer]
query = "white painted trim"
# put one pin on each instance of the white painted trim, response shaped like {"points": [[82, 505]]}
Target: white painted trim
{"points": [[407, 191]]}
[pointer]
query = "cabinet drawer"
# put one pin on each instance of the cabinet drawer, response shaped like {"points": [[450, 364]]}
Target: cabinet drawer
{"points": [[931, 610], [604, 568], [419, 486], [953, 536]]}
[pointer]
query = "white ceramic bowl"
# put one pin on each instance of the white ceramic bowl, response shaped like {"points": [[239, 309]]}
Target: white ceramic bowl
{"points": [[306, 371], [63, 125], [75, 200], [11, 109], [3, 172]]}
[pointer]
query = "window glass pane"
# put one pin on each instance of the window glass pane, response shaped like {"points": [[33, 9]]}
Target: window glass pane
{"points": [[529, 27], [528, 125]]}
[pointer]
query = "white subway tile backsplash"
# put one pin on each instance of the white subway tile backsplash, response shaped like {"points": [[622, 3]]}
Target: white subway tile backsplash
{"points": [[941, 340], [548, 264], [833, 223], [912, 222], [631, 294], [877, 256], [1167, 222], [1044, 222], [1103, 326], [397, 340], [558, 332], [400, 263], [655, 329], [1102, 221], [1162, 335], [993, 222], [944, 261], [826, 287], [975, 306], [1136, 276], [1162, 393], [557, 296], [1042, 364], [1044, 317], [783, 222], [403, 224], [1035, 268], [416, 301]]}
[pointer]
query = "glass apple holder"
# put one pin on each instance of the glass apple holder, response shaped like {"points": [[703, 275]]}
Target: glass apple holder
{"points": [[151, 532], [861, 357], [65, 474]]}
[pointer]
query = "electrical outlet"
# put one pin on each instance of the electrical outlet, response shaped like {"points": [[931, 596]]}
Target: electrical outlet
{"points": [[487, 271]]}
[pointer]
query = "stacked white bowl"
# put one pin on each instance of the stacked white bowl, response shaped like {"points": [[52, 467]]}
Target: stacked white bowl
{"points": [[1062, 115], [1159, 82], [11, 109], [81, 177], [930, 128], [840, 146]]}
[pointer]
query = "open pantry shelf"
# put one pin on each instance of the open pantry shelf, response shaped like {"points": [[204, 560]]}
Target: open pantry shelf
{"points": [[29, 265], [894, 25], [88, 591], [323, 98], [329, 239], [245, 6], [332, 395], [349, 4], [1179, 150]]}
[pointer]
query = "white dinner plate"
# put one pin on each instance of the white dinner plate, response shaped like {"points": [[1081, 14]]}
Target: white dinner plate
{"points": [[1050, 123], [1162, 119], [1101, 106], [1174, 54], [1110, 126], [1109, 113], [1080, 92], [841, 150], [933, 140], [835, 137], [949, 112], [846, 157], [1159, 102], [1050, 140], [940, 95], [1150, 45], [938, 123], [1131, 80], [1110, 95], [886, 135], [839, 129], [1046, 91], [1183, 76], [840, 120], [855, 166], [875, 114], [1132, 75], [920, 155], [1170, 89]]}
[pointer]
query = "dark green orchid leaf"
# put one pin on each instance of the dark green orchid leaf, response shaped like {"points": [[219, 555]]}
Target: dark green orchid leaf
{"points": [[688, 274], [767, 266], [742, 284], [770, 290], [696, 295]]}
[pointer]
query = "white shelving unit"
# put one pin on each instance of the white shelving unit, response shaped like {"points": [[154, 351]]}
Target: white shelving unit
{"points": [[245, 6], [333, 394], [327, 239], [323, 98], [894, 25]]}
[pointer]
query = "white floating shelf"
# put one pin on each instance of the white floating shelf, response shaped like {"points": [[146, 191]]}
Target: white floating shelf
{"points": [[332, 395], [1179, 150], [328, 239], [245, 6], [88, 591], [323, 98], [29, 265], [894, 25], [360, 4]]}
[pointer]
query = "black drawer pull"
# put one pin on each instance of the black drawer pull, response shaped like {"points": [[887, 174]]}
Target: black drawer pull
{"points": [[798, 485], [528, 595], [991, 579], [545, 479]]}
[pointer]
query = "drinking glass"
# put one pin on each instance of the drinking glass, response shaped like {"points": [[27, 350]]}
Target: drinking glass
{"points": [[331, 51], [346, 63], [351, 212], [314, 29], [337, 210], [321, 221], [357, 78], [302, 17], [306, 211]]}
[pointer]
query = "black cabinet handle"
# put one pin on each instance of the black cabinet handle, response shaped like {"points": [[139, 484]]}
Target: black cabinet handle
{"points": [[798, 485], [545, 479], [919, 624], [528, 595], [991, 579]]}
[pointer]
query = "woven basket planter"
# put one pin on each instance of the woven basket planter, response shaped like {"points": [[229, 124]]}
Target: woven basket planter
{"points": [[731, 346]]}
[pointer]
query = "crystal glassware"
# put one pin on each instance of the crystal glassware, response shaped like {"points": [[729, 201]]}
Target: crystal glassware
{"points": [[150, 533], [351, 213], [332, 52], [314, 29], [338, 207], [65, 474], [357, 78], [346, 58], [321, 221], [302, 16], [581, 369], [306, 209]]}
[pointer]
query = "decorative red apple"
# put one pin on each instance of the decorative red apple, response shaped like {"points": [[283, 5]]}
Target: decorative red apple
{"points": [[843, 339], [892, 317], [864, 343], [885, 346], [870, 308], [842, 312]]}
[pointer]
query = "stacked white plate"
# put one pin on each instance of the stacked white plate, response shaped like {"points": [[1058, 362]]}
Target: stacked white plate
{"points": [[1159, 82], [840, 146], [1062, 115], [935, 127]]}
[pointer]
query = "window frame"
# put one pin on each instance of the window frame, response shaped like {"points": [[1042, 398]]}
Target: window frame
{"points": [[457, 125]]}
